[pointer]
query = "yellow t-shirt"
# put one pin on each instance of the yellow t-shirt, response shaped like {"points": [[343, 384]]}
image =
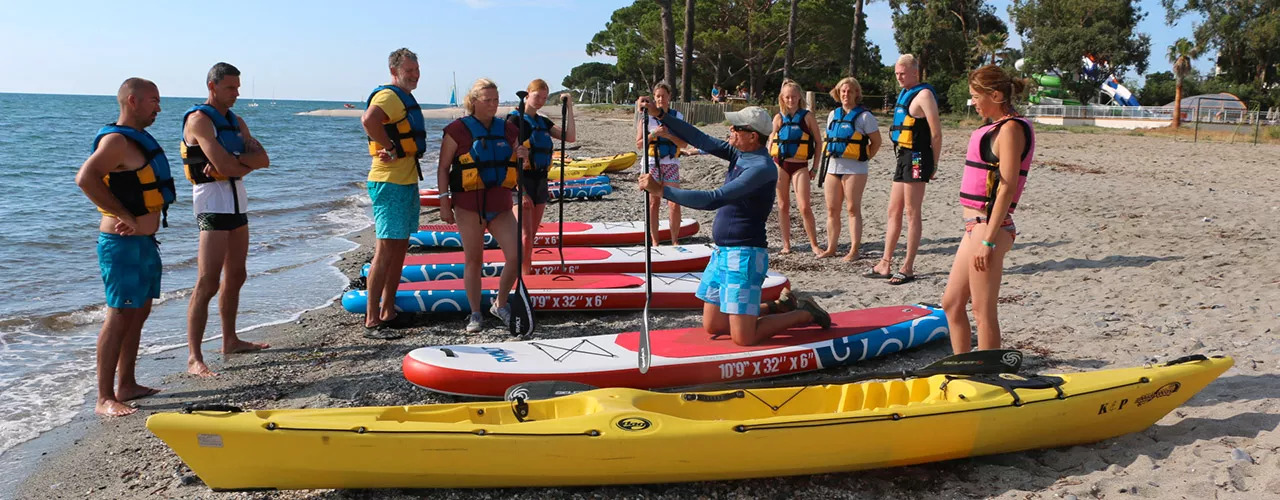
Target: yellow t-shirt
{"points": [[400, 170]]}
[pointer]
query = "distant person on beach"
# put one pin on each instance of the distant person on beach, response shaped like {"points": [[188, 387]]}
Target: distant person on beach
{"points": [[995, 173], [917, 138], [793, 146], [397, 140], [217, 152], [538, 135], [852, 140], [731, 284], [664, 159], [127, 177], [477, 176]]}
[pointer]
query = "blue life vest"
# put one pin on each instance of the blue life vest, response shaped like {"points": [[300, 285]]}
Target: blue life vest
{"points": [[843, 132], [537, 139], [490, 162], [909, 132], [229, 137], [147, 189], [662, 147], [792, 142], [409, 134]]}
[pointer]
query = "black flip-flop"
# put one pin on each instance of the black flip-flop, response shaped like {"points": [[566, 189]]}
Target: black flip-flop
{"points": [[901, 279], [871, 273]]}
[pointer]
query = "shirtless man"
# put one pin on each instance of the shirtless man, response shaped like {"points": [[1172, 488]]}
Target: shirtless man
{"points": [[127, 177], [217, 152]]}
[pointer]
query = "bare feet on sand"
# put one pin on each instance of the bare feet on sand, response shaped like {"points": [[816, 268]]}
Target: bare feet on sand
{"points": [[825, 254], [110, 408], [132, 392], [239, 346], [850, 257], [199, 369]]}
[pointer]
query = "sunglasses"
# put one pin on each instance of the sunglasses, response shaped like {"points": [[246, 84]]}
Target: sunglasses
{"points": [[740, 128]]}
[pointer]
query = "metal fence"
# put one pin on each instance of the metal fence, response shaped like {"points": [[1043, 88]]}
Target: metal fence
{"points": [[1196, 120]]}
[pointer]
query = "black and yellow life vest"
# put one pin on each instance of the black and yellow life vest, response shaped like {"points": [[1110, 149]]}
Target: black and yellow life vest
{"points": [[409, 134], [538, 139], [909, 132], [147, 189], [489, 163], [229, 136], [792, 141], [844, 140]]}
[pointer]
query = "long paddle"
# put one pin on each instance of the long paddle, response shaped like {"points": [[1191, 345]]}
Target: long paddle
{"points": [[564, 111], [970, 363], [522, 322], [646, 356]]}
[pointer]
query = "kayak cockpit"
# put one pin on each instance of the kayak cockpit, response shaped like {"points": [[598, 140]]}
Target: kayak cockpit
{"points": [[748, 404]]}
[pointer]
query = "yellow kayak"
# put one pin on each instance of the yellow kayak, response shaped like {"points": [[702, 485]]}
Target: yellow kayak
{"points": [[569, 172], [620, 436], [602, 164]]}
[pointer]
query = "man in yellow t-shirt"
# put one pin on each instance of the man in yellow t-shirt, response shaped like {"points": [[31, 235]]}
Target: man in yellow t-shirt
{"points": [[394, 124]]}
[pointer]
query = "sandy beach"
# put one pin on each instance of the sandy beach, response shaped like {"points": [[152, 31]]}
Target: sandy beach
{"points": [[1131, 250]]}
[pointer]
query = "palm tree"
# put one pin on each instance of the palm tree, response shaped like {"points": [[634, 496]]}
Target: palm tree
{"points": [[1180, 54], [989, 44]]}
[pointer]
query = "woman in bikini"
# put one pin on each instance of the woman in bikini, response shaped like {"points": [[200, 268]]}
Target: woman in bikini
{"points": [[793, 148], [995, 172]]}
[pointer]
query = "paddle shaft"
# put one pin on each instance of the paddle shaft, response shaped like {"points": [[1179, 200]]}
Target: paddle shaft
{"points": [[520, 316], [564, 112], [646, 356]]}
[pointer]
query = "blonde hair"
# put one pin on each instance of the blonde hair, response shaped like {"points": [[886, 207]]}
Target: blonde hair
{"points": [[481, 85], [909, 61], [538, 84], [854, 87], [790, 83]]}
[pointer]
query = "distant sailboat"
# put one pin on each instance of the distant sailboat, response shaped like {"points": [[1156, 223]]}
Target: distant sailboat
{"points": [[254, 96], [453, 92]]}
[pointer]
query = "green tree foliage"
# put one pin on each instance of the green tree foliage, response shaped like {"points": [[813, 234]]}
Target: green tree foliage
{"points": [[1058, 33], [1246, 36], [1161, 88], [587, 74], [1180, 54], [941, 34], [743, 43]]}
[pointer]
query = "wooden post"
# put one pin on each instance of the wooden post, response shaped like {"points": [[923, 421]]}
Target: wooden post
{"points": [[1196, 137], [808, 98]]}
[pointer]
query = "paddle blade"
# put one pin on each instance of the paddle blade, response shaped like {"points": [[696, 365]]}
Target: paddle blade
{"points": [[545, 389], [522, 322], [975, 363], [646, 356]]}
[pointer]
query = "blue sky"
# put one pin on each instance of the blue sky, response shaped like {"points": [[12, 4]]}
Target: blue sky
{"points": [[337, 50]]}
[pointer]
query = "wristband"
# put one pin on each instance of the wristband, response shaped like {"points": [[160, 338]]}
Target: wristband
{"points": [[446, 195], [988, 243]]}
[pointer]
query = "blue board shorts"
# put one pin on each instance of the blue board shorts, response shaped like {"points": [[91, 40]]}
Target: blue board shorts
{"points": [[130, 269], [734, 278], [395, 209]]}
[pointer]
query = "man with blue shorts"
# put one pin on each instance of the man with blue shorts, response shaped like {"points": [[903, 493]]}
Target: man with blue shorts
{"points": [[127, 177], [731, 284], [396, 134]]}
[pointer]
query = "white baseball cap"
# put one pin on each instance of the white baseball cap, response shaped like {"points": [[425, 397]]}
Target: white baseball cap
{"points": [[753, 117]]}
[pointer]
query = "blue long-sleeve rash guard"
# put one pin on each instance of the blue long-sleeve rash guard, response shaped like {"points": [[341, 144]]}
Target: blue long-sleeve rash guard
{"points": [[745, 200]]}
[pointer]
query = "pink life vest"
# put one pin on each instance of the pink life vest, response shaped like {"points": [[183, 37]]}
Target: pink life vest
{"points": [[981, 178]]}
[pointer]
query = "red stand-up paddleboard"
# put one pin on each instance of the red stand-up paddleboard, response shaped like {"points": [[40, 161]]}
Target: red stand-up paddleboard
{"points": [[546, 260], [682, 357], [575, 234]]}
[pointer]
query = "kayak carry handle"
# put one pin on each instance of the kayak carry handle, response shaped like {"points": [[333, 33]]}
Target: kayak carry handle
{"points": [[713, 398], [211, 407], [1187, 359]]}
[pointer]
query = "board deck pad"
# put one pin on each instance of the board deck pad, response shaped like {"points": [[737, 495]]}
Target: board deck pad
{"points": [[681, 357]]}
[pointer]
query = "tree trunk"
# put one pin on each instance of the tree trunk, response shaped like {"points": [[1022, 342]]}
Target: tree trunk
{"points": [[668, 43], [1177, 103], [791, 41], [751, 61], [855, 39], [686, 77]]}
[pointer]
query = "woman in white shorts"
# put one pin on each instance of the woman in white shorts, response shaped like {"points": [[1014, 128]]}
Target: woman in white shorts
{"points": [[851, 140]]}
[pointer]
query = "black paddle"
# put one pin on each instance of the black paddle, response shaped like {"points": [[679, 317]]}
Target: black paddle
{"points": [[822, 163], [564, 111], [970, 363], [522, 322], [646, 356]]}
